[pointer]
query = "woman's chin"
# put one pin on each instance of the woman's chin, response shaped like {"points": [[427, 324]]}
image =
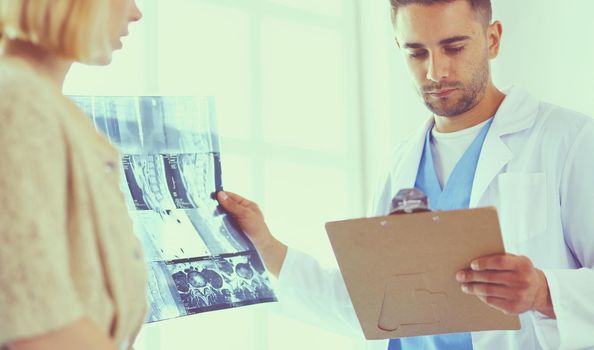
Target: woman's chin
{"points": [[102, 59]]}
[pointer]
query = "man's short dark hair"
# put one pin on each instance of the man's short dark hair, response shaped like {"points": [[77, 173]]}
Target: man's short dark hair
{"points": [[482, 8]]}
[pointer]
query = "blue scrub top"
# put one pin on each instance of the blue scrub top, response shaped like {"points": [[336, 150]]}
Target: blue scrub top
{"points": [[454, 195]]}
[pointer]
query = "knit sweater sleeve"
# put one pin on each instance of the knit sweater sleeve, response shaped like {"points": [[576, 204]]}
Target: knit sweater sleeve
{"points": [[37, 293]]}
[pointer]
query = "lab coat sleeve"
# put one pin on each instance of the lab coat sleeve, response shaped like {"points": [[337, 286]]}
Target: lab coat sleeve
{"points": [[572, 290], [316, 295]]}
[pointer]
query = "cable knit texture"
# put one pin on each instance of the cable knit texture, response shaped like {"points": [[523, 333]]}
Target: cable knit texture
{"points": [[67, 249]]}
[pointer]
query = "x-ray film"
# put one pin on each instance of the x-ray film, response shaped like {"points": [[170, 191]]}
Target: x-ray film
{"points": [[197, 259]]}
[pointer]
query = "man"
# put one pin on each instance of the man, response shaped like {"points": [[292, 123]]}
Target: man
{"points": [[482, 147]]}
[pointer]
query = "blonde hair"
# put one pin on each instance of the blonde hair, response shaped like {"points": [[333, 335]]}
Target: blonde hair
{"points": [[74, 29]]}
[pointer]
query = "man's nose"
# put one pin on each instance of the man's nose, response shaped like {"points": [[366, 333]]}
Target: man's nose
{"points": [[438, 69]]}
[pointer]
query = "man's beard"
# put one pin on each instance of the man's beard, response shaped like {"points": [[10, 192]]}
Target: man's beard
{"points": [[472, 93]]}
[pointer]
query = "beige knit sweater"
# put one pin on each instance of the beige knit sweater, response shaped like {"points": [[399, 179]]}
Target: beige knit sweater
{"points": [[67, 249]]}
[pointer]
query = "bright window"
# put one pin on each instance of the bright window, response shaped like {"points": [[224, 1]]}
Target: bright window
{"points": [[285, 76]]}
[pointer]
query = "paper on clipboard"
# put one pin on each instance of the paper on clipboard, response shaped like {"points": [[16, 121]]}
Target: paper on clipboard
{"points": [[400, 271]]}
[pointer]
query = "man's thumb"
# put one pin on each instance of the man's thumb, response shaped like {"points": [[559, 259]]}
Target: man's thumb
{"points": [[226, 202]]}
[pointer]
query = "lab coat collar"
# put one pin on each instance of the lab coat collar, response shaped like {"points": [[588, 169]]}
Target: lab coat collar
{"points": [[517, 113]]}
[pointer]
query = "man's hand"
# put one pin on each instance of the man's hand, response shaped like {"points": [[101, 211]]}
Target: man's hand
{"points": [[247, 215], [508, 283], [251, 221]]}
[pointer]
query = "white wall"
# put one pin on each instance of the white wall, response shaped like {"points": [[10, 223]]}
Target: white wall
{"points": [[391, 107], [548, 48]]}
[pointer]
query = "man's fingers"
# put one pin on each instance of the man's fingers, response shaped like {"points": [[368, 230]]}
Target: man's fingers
{"points": [[487, 290], [228, 203], [507, 278], [237, 198], [222, 196], [500, 262]]}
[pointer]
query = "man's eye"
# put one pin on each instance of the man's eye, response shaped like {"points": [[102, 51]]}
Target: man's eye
{"points": [[417, 54], [454, 49]]}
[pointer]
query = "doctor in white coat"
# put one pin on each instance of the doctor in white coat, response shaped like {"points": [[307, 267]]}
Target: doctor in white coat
{"points": [[531, 160]]}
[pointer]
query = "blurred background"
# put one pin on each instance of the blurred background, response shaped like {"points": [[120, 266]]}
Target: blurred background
{"points": [[311, 98]]}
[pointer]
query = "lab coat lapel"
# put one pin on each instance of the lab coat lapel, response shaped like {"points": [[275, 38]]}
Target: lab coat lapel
{"points": [[407, 173], [517, 112], [494, 156]]}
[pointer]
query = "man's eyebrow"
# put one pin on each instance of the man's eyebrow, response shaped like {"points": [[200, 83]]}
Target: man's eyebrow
{"points": [[413, 46], [453, 39], [447, 41]]}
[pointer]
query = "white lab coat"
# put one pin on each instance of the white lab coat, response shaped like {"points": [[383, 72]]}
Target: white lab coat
{"points": [[537, 168]]}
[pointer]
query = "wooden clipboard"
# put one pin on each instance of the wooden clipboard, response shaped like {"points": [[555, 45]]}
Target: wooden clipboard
{"points": [[400, 271]]}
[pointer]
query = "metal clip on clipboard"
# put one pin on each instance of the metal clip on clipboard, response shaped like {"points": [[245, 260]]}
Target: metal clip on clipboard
{"points": [[409, 200]]}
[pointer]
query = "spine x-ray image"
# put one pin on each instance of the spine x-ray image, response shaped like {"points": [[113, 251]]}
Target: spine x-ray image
{"points": [[197, 259]]}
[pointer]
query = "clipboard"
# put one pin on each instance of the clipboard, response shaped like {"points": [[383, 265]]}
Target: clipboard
{"points": [[400, 271]]}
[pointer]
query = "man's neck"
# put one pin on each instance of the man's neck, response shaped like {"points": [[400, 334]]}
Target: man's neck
{"points": [[484, 110], [45, 63]]}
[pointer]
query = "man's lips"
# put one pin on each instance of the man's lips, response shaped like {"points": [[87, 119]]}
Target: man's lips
{"points": [[441, 93]]}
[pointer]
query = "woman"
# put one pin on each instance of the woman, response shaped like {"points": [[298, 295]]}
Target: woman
{"points": [[71, 271]]}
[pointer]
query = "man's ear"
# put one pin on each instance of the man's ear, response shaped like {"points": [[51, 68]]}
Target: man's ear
{"points": [[494, 33]]}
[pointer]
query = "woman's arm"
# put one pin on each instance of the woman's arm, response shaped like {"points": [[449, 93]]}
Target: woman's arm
{"points": [[82, 334]]}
